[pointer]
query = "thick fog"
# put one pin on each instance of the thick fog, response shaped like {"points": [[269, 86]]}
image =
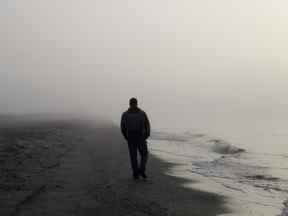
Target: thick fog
{"points": [[191, 63]]}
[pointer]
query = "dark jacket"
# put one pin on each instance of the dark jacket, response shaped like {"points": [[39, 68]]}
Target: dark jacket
{"points": [[135, 122]]}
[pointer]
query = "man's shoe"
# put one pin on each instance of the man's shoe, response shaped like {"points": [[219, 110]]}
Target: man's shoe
{"points": [[143, 175], [135, 177]]}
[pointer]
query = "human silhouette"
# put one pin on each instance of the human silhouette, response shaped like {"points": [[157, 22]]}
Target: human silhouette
{"points": [[135, 127]]}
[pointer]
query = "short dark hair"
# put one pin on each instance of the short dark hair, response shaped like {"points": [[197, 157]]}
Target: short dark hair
{"points": [[133, 101]]}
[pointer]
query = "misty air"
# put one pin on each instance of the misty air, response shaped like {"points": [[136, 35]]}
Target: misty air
{"points": [[123, 108]]}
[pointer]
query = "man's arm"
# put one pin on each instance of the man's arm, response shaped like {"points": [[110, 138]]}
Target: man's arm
{"points": [[123, 126], [147, 126]]}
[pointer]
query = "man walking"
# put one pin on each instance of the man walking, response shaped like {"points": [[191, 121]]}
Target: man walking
{"points": [[135, 127]]}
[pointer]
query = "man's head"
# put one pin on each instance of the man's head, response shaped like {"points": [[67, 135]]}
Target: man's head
{"points": [[133, 103]]}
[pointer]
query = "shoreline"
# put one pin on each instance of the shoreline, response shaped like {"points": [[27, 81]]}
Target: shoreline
{"points": [[92, 176], [222, 168]]}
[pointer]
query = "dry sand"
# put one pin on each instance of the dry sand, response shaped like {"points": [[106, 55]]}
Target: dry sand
{"points": [[76, 168]]}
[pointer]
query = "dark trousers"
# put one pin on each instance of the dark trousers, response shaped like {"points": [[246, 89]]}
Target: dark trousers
{"points": [[136, 144]]}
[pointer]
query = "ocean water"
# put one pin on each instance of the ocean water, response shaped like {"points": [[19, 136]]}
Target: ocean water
{"points": [[248, 163]]}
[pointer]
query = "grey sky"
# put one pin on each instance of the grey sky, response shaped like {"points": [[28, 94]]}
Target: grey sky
{"points": [[178, 57]]}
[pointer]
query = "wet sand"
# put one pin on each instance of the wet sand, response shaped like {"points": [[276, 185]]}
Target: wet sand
{"points": [[76, 168]]}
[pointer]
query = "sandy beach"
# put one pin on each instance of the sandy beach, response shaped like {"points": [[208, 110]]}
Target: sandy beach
{"points": [[76, 168]]}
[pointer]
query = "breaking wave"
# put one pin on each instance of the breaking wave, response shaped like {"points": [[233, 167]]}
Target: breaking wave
{"points": [[223, 147]]}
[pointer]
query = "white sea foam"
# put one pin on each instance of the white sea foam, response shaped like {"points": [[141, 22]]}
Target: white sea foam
{"points": [[255, 181]]}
